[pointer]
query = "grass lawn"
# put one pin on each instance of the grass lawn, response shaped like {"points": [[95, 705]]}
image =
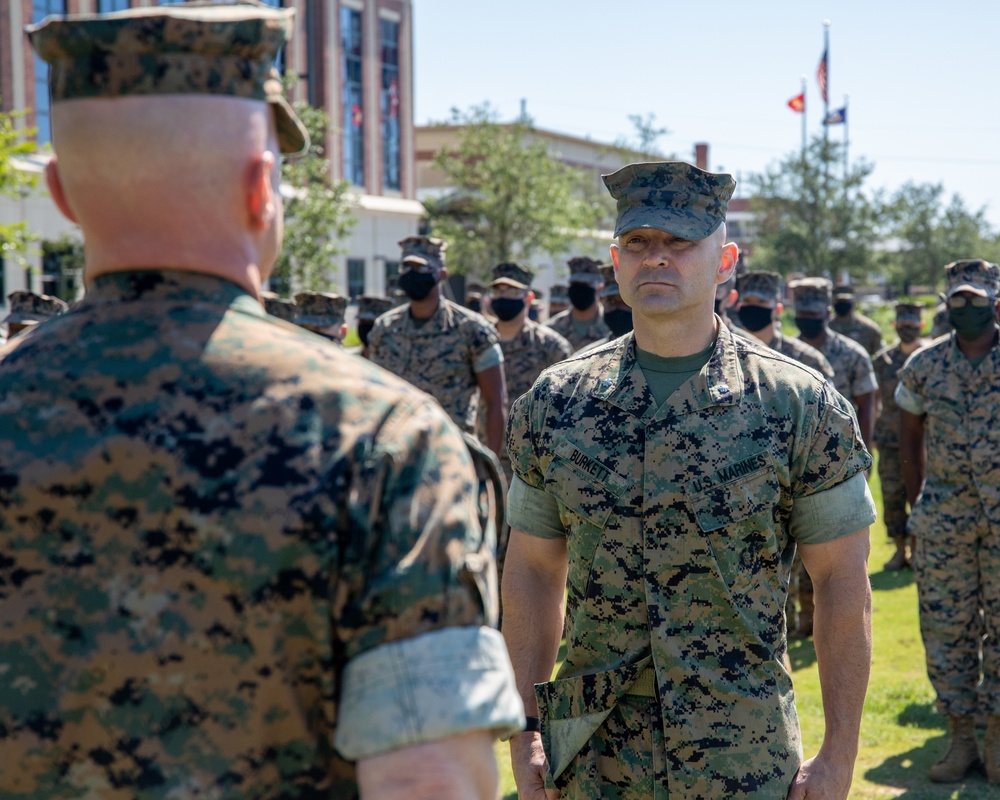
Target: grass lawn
{"points": [[901, 733]]}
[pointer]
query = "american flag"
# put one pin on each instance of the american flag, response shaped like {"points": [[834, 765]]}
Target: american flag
{"points": [[821, 76]]}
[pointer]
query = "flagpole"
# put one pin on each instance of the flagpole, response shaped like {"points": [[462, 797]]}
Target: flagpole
{"points": [[804, 109], [826, 94], [846, 140]]}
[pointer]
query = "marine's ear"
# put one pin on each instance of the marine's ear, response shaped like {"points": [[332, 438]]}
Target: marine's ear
{"points": [[54, 183], [260, 201]]}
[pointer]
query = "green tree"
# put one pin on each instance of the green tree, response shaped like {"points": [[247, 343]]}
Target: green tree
{"points": [[929, 234], [14, 237], [814, 215], [318, 215], [508, 198]]}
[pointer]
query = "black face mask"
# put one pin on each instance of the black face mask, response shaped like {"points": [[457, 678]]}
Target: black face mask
{"points": [[474, 305], [533, 314], [810, 328], [619, 320], [971, 322], [364, 328], [843, 307], [755, 318], [907, 335], [506, 308], [417, 285], [582, 296]]}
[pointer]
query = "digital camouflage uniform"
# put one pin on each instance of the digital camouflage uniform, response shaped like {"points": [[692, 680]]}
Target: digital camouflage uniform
{"points": [[582, 270], [857, 326], [204, 513], [888, 362], [956, 519], [370, 308], [718, 467], [678, 521], [803, 353], [441, 355]]}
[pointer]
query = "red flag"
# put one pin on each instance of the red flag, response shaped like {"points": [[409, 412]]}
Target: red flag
{"points": [[798, 103], [821, 76]]}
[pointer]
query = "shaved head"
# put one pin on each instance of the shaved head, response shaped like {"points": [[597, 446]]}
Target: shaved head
{"points": [[161, 178]]}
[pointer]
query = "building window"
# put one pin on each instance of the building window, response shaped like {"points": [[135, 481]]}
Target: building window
{"points": [[107, 6], [355, 277], [40, 9], [62, 268], [389, 43], [391, 276], [353, 111]]}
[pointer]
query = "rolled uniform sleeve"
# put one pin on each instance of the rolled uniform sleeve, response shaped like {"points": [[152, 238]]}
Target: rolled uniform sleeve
{"points": [[864, 380], [485, 343], [836, 512], [415, 589], [908, 400], [833, 451], [418, 690], [533, 511]]}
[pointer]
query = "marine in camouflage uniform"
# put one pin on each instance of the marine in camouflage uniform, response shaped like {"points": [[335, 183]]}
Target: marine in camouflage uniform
{"points": [[887, 363], [205, 513], [672, 525], [853, 377], [853, 324], [528, 347], [758, 311], [853, 373], [617, 314], [583, 322], [27, 309], [441, 347], [370, 308], [949, 400], [762, 290]]}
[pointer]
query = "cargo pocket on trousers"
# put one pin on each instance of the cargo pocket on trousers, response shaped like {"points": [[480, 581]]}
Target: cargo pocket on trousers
{"points": [[572, 709]]}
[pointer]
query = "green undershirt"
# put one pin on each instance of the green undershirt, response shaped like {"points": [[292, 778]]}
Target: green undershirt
{"points": [[666, 375]]}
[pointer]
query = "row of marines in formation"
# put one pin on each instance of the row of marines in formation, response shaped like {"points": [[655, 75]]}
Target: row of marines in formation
{"points": [[456, 358]]}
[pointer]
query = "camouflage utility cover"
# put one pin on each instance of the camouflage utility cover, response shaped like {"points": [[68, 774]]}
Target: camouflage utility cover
{"points": [[909, 312], [583, 269], [437, 356], [973, 275], [671, 196], [811, 294], [279, 307], [424, 251], [30, 307], [371, 307], [204, 513], [176, 49], [765, 286], [510, 272], [319, 309], [677, 517]]}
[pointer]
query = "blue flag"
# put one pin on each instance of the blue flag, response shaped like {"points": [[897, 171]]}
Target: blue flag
{"points": [[836, 117]]}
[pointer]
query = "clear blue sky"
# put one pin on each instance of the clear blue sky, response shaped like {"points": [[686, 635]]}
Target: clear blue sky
{"points": [[921, 76]]}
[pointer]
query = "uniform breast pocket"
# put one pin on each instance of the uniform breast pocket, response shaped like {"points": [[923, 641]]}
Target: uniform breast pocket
{"points": [[588, 493], [738, 519]]}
